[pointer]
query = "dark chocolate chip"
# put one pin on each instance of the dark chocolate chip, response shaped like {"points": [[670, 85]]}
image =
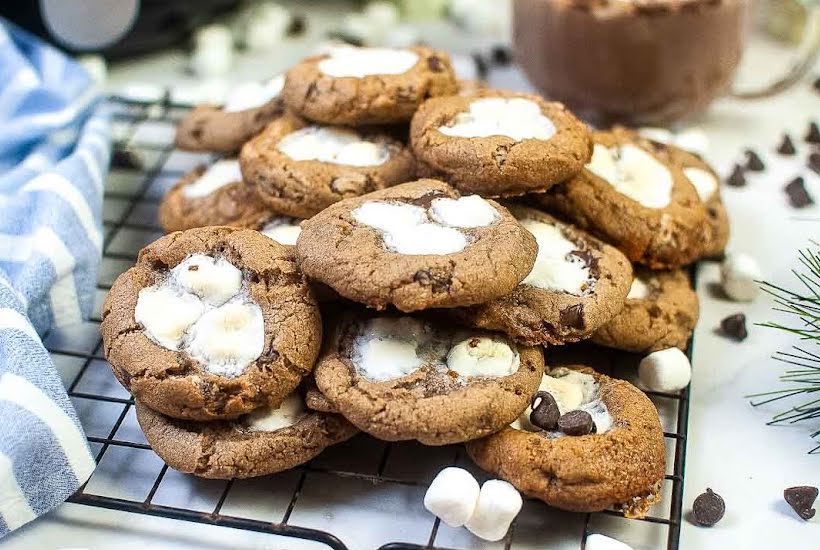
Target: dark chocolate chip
{"points": [[573, 316], [708, 508], [798, 196], [813, 134], [816, 85], [434, 63], [801, 500], [734, 326], [297, 26], [737, 177], [481, 66], [754, 162], [576, 423], [545, 414], [786, 146], [502, 55], [814, 162], [126, 158]]}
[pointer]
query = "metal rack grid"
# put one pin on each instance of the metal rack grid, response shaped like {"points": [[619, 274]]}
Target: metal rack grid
{"points": [[151, 162]]}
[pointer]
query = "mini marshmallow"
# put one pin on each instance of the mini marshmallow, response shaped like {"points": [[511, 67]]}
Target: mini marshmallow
{"points": [[216, 176], [516, 118], [633, 172], [739, 274], [639, 290], [482, 356], [498, 504], [464, 212], [360, 62], [665, 371], [267, 419], [227, 339], [215, 280], [602, 542], [705, 183], [555, 268], [213, 50], [387, 348], [427, 238], [333, 145], [251, 95], [282, 230], [266, 24], [452, 496], [387, 216], [165, 314]]}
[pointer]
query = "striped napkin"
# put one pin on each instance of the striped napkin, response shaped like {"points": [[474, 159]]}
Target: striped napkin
{"points": [[54, 151]]}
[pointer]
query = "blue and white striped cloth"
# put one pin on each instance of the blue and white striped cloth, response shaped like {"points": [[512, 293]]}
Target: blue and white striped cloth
{"points": [[54, 151]]}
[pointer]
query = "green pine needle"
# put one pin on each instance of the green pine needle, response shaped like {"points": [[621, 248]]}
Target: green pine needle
{"points": [[803, 382]]}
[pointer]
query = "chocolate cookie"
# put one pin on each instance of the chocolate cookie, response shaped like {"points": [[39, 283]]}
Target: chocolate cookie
{"points": [[496, 143], [211, 323], [299, 168], [225, 129], [416, 246], [621, 463], [400, 378], [661, 311], [266, 441], [355, 86], [577, 284], [635, 198], [212, 195]]}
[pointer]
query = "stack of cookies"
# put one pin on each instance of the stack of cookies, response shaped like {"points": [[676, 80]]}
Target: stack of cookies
{"points": [[450, 234]]}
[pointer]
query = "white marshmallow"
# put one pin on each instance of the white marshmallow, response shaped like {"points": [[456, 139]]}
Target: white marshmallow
{"points": [[225, 340], [215, 280], [267, 419], [498, 504], [213, 50], [216, 176], [166, 313], [661, 135], [360, 62], [555, 267], [602, 542], [382, 13], [427, 238], [633, 172], [482, 356], [739, 274], [282, 230], [694, 140], [387, 348], [705, 183], [266, 24], [665, 371], [517, 118], [639, 290], [333, 145], [389, 216], [452, 496], [464, 212], [251, 95]]}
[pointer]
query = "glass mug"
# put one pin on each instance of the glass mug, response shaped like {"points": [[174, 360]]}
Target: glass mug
{"points": [[644, 61]]}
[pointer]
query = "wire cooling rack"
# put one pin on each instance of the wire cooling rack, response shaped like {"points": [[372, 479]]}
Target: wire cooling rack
{"points": [[362, 494]]}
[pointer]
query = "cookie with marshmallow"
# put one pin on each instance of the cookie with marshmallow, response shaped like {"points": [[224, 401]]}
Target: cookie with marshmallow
{"points": [[266, 441], [212, 195], [211, 323], [661, 311], [634, 197], [299, 168], [576, 286], [417, 246], [402, 378], [353, 86], [225, 128], [621, 464], [496, 143]]}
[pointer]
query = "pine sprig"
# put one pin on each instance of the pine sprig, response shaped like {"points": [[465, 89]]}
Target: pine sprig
{"points": [[802, 377]]}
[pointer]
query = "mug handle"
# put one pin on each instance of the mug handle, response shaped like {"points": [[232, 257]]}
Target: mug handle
{"points": [[807, 55]]}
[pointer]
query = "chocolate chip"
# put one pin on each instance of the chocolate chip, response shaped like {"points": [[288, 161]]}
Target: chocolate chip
{"points": [[481, 66], [193, 267], [801, 500], [297, 26], [573, 316], [798, 196], [734, 326], [786, 146], [545, 415], [434, 63], [813, 134], [754, 162], [814, 162], [737, 177], [126, 158], [816, 85], [576, 423], [502, 55], [708, 508]]}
